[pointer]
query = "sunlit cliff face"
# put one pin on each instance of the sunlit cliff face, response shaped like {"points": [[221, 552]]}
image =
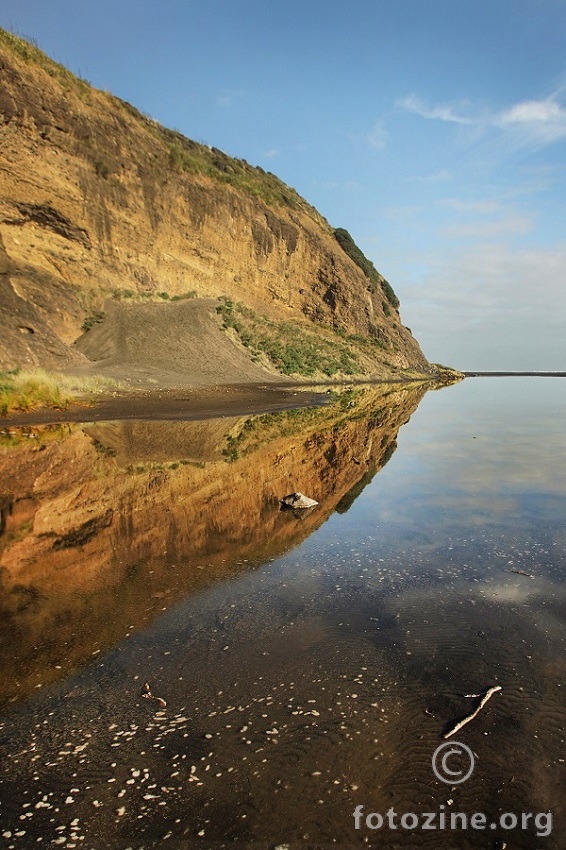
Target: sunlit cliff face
{"points": [[104, 526], [94, 201]]}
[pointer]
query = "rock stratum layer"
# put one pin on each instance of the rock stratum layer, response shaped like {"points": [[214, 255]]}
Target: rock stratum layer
{"points": [[98, 202]]}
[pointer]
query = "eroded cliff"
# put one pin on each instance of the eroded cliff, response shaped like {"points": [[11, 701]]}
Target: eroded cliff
{"points": [[100, 202]]}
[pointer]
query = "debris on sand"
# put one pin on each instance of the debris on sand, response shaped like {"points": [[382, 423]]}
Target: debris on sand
{"points": [[521, 573], [146, 692], [456, 728]]}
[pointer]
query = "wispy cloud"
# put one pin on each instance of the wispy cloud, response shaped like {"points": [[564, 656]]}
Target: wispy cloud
{"points": [[272, 153], [536, 122], [377, 137], [443, 112], [229, 96], [476, 207], [513, 320], [493, 229], [333, 184], [541, 120], [403, 213], [438, 177]]}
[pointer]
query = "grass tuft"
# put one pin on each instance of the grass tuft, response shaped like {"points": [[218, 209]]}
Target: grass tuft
{"points": [[129, 294], [30, 53], [93, 320], [23, 390]]}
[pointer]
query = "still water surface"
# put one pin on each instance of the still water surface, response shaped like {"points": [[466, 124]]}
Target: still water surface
{"points": [[309, 663]]}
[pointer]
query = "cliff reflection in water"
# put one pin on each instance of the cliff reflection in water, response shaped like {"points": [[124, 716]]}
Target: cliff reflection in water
{"points": [[104, 526]]}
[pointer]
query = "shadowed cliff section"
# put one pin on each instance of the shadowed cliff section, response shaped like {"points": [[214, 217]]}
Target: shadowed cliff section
{"points": [[98, 202], [104, 525]]}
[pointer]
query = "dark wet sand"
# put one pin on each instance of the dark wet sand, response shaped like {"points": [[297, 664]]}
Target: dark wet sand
{"points": [[187, 404]]}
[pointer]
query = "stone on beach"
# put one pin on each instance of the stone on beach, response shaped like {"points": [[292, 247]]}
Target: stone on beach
{"points": [[298, 500]]}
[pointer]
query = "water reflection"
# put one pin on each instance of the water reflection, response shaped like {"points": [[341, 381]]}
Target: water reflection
{"points": [[134, 443], [319, 674], [106, 525]]}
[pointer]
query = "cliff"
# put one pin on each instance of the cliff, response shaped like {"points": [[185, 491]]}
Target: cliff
{"points": [[101, 205]]}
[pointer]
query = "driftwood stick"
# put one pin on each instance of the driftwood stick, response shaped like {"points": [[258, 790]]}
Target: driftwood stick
{"points": [[146, 692], [456, 728]]}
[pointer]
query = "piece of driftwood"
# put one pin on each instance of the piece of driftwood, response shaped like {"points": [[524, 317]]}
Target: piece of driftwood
{"points": [[521, 573], [146, 692], [456, 728]]}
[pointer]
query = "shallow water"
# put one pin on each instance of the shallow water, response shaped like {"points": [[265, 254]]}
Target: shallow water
{"points": [[310, 663]]}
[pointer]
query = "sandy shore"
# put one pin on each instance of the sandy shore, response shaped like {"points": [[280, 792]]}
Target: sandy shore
{"points": [[186, 404]]}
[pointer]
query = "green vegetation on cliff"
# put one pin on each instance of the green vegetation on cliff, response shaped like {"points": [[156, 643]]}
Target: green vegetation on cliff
{"points": [[291, 348], [193, 158], [32, 55], [356, 254]]}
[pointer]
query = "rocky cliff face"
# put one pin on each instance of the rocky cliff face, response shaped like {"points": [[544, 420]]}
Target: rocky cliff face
{"points": [[99, 201]]}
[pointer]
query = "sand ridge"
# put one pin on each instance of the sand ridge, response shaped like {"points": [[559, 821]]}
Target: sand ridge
{"points": [[169, 344]]}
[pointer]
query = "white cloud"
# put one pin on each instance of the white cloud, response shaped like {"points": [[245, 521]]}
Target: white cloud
{"points": [[438, 177], [229, 96], [403, 213], [272, 153], [534, 111], [540, 120], [377, 138], [513, 225], [476, 207], [333, 184], [326, 184], [490, 306], [532, 122], [444, 112]]}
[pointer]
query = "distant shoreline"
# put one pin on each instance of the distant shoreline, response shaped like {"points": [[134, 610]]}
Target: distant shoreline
{"points": [[515, 374]]}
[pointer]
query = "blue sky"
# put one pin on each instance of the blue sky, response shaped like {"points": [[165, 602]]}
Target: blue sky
{"points": [[433, 130]]}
